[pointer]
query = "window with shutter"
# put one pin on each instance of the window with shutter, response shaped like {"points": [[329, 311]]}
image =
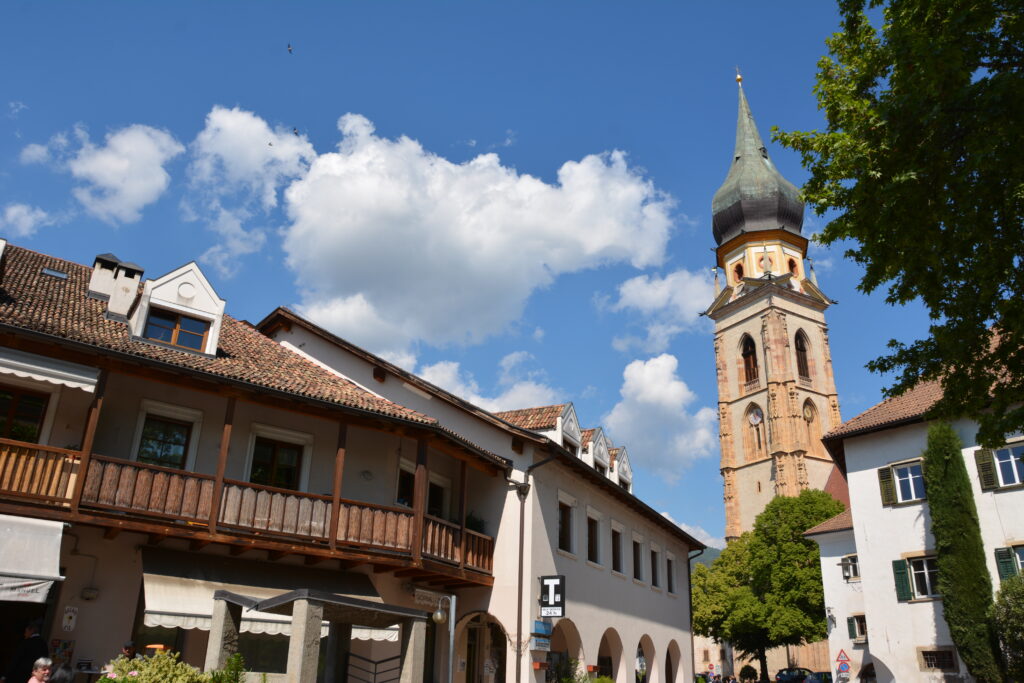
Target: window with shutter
{"points": [[851, 627], [984, 461], [887, 486], [902, 578], [1006, 563]]}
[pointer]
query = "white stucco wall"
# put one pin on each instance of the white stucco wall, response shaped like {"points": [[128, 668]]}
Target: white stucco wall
{"points": [[843, 598]]}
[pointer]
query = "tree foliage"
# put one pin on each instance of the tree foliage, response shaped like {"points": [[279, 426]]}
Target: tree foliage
{"points": [[1009, 616], [921, 161], [764, 590], [963, 578]]}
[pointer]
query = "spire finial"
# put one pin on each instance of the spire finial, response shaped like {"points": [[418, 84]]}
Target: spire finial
{"points": [[739, 76]]}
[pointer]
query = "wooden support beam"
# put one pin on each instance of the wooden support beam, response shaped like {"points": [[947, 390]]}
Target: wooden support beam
{"points": [[157, 539], [462, 515], [111, 533], [311, 560], [339, 470], [412, 571], [88, 437], [222, 463], [384, 568], [237, 550], [419, 498], [197, 544], [275, 555]]}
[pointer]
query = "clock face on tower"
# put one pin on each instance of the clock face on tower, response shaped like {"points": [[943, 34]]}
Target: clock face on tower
{"points": [[808, 412], [756, 416]]}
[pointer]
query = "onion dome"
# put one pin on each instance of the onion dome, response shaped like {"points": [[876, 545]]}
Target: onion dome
{"points": [[754, 195]]}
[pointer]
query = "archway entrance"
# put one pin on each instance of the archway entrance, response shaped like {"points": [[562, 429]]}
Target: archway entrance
{"points": [[609, 654], [566, 653], [486, 649], [645, 668]]}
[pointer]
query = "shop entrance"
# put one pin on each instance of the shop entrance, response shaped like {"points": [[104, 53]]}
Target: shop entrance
{"points": [[486, 648]]}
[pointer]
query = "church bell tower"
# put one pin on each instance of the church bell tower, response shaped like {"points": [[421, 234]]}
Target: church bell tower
{"points": [[776, 391]]}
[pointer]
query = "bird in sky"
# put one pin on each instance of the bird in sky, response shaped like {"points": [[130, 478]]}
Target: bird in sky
{"points": [[289, 48]]}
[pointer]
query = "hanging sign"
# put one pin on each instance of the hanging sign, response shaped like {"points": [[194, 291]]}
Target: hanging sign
{"points": [[552, 596]]}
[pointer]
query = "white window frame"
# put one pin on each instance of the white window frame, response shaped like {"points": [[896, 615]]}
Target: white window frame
{"points": [[639, 575], [913, 573], [304, 439], [621, 529], [406, 465], [670, 571], [570, 501], [194, 416], [862, 633], [896, 480], [1018, 471], [598, 517], [850, 566]]}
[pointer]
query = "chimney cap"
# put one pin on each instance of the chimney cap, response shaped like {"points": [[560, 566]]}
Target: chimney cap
{"points": [[106, 258], [129, 266]]}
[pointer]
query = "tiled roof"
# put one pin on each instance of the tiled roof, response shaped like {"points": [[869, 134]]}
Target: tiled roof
{"points": [[585, 436], [892, 411], [534, 419], [841, 522], [60, 307]]}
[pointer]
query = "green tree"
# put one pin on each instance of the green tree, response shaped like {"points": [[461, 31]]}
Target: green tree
{"points": [[921, 162], [963, 578], [764, 590], [1009, 615]]}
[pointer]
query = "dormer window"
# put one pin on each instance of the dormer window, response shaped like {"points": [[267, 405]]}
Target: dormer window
{"points": [[176, 329]]}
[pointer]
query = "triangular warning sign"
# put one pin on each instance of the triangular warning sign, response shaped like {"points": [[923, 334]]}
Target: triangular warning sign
{"points": [[842, 656]]}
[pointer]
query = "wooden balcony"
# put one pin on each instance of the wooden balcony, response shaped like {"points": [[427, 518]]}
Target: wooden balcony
{"points": [[43, 475]]}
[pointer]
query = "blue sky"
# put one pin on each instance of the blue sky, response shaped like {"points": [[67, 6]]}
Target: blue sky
{"points": [[512, 199]]}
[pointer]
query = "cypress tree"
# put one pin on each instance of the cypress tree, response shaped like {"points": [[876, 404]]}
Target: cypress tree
{"points": [[963, 578]]}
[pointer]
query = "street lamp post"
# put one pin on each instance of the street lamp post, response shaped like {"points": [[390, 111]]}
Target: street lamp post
{"points": [[441, 616]]}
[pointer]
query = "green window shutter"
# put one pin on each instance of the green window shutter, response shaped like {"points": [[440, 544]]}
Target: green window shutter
{"points": [[985, 461], [851, 626], [902, 577], [887, 486], [1005, 563]]}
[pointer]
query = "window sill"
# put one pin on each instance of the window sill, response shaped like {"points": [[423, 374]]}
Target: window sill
{"points": [[1006, 487], [596, 565], [905, 503], [672, 594], [566, 553], [863, 640], [930, 598], [656, 589], [618, 575], [853, 579], [639, 582]]}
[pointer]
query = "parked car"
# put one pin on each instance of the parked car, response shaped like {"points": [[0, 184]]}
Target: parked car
{"points": [[795, 674], [819, 677]]}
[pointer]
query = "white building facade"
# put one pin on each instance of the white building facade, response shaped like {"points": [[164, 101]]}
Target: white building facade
{"points": [[878, 558]]}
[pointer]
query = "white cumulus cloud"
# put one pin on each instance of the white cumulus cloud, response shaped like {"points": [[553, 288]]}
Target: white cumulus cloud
{"points": [[124, 175], [239, 164], [22, 220], [697, 532], [517, 389], [652, 419], [385, 230], [668, 305]]}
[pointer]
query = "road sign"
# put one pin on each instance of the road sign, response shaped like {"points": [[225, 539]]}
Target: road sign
{"points": [[552, 596], [843, 667], [540, 644], [842, 656]]}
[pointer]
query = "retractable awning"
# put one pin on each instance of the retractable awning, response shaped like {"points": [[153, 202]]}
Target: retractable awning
{"points": [[179, 591], [29, 558], [44, 369]]}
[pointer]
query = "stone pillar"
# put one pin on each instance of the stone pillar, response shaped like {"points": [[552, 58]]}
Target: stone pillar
{"points": [[414, 641], [339, 644], [225, 626], [304, 644]]}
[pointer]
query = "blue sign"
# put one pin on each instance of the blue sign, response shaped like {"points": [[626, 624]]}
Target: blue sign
{"points": [[844, 667], [542, 628]]}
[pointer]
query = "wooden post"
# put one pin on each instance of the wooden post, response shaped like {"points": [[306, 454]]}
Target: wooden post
{"points": [[88, 437], [339, 470], [462, 514], [419, 498], [222, 464]]}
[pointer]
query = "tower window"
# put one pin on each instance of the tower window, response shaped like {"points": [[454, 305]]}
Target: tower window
{"points": [[737, 272], [749, 359], [792, 267], [802, 366]]}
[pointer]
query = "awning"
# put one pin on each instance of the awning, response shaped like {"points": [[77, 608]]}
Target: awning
{"points": [[44, 369], [29, 557], [179, 591]]}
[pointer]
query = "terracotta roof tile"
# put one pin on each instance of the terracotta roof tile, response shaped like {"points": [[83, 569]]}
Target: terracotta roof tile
{"points": [[841, 522], [60, 307], [585, 437], [534, 419], [913, 404]]}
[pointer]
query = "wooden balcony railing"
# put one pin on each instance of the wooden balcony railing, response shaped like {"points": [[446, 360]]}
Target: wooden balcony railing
{"points": [[43, 474], [39, 473]]}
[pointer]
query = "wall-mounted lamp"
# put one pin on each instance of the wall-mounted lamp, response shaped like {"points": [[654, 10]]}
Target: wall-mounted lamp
{"points": [[446, 613]]}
